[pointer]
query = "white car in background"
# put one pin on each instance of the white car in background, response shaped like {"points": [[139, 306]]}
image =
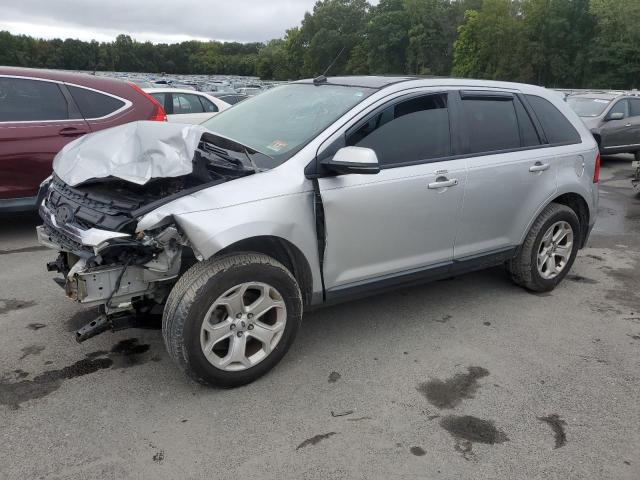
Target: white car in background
{"points": [[187, 106]]}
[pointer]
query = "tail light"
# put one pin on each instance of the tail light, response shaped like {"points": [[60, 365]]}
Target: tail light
{"points": [[596, 171], [158, 114]]}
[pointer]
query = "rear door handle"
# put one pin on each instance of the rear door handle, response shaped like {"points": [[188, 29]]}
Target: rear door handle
{"points": [[539, 167], [72, 132], [443, 182], [628, 125]]}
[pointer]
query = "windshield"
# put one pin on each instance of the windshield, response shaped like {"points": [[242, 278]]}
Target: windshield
{"points": [[280, 121], [588, 107]]}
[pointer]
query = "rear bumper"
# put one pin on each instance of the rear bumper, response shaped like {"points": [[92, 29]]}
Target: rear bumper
{"points": [[23, 204]]}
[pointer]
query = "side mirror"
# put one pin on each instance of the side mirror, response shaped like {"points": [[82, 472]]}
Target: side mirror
{"points": [[615, 116], [353, 160]]}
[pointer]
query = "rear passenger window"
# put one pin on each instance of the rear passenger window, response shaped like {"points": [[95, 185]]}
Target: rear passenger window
{"points": [[409, 131], [557, 128], [491, 124], [23, 100], [186, 103], [93, 104]]}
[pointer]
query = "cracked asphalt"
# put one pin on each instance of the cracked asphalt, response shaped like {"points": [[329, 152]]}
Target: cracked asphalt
{"points": [[468, 378]]}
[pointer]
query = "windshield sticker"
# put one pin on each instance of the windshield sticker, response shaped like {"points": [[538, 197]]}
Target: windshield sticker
{"points": [[277, 145], [359, 94], [597, 100]]}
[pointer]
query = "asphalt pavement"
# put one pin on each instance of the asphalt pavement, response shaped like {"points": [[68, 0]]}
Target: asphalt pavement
{"points": [[468, 378]]}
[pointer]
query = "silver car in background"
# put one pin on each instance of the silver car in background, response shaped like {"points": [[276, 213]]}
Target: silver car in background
{"points": [[313, 193]]}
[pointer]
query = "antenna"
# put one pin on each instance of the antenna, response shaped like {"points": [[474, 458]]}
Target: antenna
{"points": [[322, 78]]}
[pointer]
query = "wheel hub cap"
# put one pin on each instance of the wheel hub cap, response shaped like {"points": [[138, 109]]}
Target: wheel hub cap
{"points": [[243, 326], [555, 250]]}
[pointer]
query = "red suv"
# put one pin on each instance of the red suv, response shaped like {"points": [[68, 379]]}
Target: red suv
{"points": [[42, 110]]}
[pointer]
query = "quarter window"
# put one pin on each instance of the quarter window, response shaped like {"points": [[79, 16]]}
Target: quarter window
{"points": [[208, 105], [23, 100], [94, 104], [409, 131], [491, 124], [557, 128]]}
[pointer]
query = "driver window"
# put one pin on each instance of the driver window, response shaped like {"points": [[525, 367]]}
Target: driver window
{"points": [[413, 130], [621, 107]]}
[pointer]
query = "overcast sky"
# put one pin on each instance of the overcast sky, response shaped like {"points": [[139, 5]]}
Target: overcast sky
{"points": [[165, 21]]}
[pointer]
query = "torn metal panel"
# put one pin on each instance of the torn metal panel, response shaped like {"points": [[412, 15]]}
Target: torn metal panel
{"points": [[135, 152]]}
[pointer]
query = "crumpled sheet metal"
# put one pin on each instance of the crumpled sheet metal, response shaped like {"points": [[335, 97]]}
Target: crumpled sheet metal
{"points": [[135, 152]]}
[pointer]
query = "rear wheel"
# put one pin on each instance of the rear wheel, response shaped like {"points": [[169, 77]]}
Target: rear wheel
{"points": [[548, 251], [230, 320]]}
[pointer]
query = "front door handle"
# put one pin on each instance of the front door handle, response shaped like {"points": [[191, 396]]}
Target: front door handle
{"points": [[71, 132], [628, 125], [539, 167], [443, 182]]}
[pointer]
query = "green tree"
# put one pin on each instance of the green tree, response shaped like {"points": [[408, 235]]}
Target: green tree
{"points": [[492, 43], [615, 62], [334, 26]]}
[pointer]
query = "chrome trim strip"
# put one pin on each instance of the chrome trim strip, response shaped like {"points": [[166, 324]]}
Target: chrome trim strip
{"points": [[91, 237], [623, 146]]}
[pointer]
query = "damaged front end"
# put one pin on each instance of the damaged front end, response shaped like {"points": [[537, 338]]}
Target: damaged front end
{"points": [[92, 221], [126, 274]]}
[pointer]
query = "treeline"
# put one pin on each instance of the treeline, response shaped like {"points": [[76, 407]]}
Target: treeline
{"points": [[557, 43]]}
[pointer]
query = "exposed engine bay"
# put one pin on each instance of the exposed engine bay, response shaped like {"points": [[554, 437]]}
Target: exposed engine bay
{"points": [[102, 258]]}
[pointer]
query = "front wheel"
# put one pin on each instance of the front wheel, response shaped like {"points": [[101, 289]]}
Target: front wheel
{"points": [[549, 250], [229, 320]]}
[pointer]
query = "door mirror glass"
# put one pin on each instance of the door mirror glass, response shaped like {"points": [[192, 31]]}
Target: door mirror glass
{"points": [[615, 116], [353, 160]]}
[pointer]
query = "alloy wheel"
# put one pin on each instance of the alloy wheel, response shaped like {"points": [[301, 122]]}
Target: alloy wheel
{"points": [[555, 250], [243, 326]]}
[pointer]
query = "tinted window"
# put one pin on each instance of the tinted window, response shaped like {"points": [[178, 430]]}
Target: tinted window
{"points": [[556, 127], [208, 105], [160, 97], [186, 103], [31, 100], [528, 133], [491, 125], [93, 104], [635, 107], [621, 106], [413, 130]]}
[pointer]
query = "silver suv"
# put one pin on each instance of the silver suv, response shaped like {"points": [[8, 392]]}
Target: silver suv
{"points": [[313, 193]]}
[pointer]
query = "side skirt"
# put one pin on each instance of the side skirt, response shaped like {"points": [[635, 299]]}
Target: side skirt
{"points": [[417, 276]]}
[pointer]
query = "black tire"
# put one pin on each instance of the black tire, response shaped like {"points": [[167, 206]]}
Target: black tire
{"points": [[523, 267], [194, 293]]}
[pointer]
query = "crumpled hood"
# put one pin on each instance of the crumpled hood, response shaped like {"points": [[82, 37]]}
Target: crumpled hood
{"points": [[135, 152]]}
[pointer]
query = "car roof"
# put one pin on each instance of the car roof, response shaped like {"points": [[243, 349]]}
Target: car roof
{"points": [[83, 79], [365, 81], [597, 96], [381, 82], [171, 90]]}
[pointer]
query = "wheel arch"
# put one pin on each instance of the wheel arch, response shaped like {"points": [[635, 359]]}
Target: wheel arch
{"points": [[579, 205], [284, 252]]}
